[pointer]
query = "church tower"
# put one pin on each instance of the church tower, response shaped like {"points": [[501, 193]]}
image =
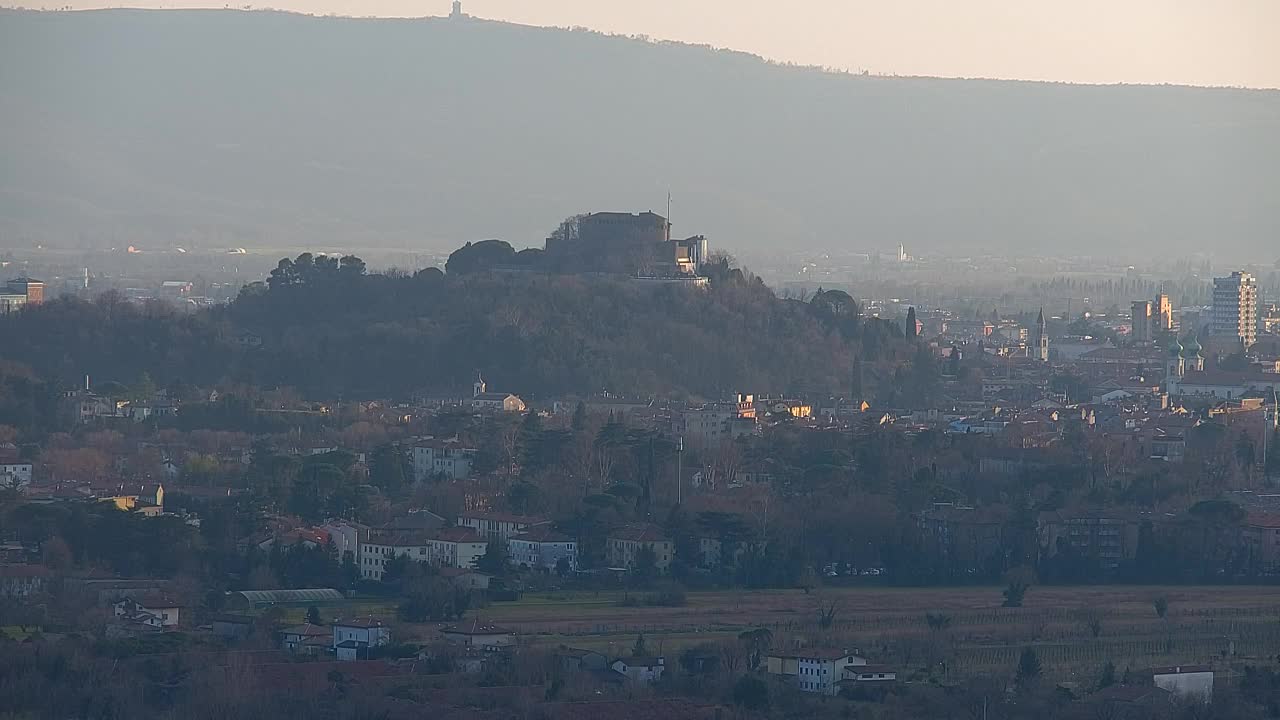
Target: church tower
{"points": [[1192, 358], [1175, 367], [477, 389], [1041, 350]]}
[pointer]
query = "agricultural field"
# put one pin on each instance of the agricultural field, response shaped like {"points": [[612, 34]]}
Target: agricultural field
{"points": [[1075, 630]]}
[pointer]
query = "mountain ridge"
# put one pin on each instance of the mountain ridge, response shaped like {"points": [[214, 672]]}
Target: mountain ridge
{"points": [[237, 128]]}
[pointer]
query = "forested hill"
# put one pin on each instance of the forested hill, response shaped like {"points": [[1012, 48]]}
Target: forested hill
{"points": [[227, 128], [344, 334]]}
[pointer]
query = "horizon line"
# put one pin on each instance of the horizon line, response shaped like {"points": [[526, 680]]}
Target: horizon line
{"points": [[647, 39]]}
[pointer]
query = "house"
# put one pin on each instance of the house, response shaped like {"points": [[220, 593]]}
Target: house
{"points": [[352, 639], [383, 545], [624, 545], [14, 474], [1186, 681], [578, 660], [542, 548], [499, 526], [478, 635], [152, 609], [144, 499], [445, 458], [854, 674], [20, 581], [306, 639], [458, 547], [814, 670], [1110, 536], [645, 670]]}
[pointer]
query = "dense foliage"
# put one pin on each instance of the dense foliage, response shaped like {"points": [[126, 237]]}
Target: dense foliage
{"points": [[336, 331]]}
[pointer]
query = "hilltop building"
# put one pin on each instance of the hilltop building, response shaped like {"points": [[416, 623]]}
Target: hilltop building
{"points": [[635, 244]]}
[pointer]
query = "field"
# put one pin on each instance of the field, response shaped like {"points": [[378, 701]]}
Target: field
{"points": [[1075, 630]]}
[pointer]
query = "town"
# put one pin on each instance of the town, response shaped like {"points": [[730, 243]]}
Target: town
{"points": [[1083, 503]]}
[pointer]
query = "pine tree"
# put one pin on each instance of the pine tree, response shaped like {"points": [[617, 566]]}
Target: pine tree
{"points": [[639, 649], [911, 333]]}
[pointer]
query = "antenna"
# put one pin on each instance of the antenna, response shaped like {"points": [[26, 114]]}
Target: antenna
{"points": [[668, 216]]}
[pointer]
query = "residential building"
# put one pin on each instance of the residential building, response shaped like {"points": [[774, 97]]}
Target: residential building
{"points": [[1186, 681], [479, 635], [640, 670], [497, 526], [815, 670], [384, 545], [20, 581], [858, 674], [152, 609], [1142, 321], [306, 639], [541, 548], [625, 544], [352, 639], [1107, 537], [14, 474], [458, 547], [1235, 308], [19, 293], [442, 458]]}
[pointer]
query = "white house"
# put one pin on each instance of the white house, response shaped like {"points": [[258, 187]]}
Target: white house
{"points": [[542, 548], [458, 547], [815, 670], [474, 634], [352, 639], [382, 547], [151, 609], [1187, 681], [14, 474], [640, 669], [442, 457], [499, 526]]}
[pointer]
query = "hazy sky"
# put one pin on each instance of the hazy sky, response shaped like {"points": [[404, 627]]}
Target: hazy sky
{"points": [[1196, 42]]}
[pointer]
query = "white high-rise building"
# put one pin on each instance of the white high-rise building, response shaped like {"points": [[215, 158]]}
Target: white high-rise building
{"points": [[1235, 308]]}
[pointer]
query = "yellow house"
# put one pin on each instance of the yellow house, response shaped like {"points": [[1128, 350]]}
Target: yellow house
{"points": [[145, 499]]}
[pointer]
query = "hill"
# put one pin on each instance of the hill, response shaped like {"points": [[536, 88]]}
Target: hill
{"points": [[347, 334], [221, 128]]}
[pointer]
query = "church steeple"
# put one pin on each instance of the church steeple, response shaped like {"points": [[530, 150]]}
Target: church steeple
{"points": [[477, 389], [1041, 350]]}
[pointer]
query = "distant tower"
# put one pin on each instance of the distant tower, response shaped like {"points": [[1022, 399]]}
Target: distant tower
{"points": [[1041, 350], [1175, 367], [477, 388], [457, 13]]}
